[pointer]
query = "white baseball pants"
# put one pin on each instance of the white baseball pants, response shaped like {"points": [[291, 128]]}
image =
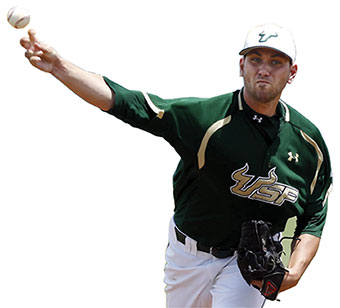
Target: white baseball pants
{"points": [[198, 279]]}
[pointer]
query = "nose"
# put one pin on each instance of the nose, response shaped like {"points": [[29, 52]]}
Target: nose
{"points": [[264, 70]]}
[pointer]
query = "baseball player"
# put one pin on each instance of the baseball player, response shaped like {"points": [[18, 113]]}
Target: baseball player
{"points": [[244, 155]]}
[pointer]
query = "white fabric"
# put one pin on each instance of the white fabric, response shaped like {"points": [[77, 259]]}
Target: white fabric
{"points": [[198, 279], [270, 36]]}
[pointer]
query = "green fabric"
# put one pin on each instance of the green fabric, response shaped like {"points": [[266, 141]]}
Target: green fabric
{"points": [[250, 171]]}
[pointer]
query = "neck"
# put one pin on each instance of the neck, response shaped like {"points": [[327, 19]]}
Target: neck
{"points": [[267, 108]]}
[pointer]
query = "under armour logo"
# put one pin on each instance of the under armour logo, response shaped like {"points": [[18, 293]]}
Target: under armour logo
{"points": [[258, 119], [295, 157], [265, 37]]}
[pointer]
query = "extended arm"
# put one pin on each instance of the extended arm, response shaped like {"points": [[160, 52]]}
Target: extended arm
{"points": [[89, 86], [303, 252]]}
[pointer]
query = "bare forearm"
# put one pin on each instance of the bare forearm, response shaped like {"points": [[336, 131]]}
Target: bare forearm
{"points": [[89, 86], [303, 253]]}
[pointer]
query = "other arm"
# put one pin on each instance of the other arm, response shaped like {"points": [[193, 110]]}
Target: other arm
{"points": [[303, 252], [89, 86]]}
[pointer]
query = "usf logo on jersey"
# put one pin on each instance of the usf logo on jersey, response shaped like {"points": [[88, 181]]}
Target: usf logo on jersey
{"points": [[264, 189]]}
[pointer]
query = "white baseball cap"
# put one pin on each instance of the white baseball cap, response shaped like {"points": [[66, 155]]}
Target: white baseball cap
{"points": [[270, 36]]}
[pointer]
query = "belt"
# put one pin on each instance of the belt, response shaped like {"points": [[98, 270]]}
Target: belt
{"points": [[215, 251]]}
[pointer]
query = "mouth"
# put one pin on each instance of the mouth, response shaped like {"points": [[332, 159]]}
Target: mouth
{"points": [[262, 81]]}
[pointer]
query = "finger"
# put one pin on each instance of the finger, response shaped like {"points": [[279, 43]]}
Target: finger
{"points": [[42, 47], [25, 42], [29, 54], [32, 35], [36, 61], [33, 39], [36, 43], [28, 42]]}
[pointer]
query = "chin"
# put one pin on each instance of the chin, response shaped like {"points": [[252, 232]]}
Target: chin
{"points": [[265, 96]]}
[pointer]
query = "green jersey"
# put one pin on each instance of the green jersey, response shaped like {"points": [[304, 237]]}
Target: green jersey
{"points": [[236, 165]]}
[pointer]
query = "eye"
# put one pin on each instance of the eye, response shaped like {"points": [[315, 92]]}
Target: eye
{"points": [[276, 62], [255, 60]]}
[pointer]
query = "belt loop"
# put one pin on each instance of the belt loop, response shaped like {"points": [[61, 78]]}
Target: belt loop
{"points": [[191, 246]]}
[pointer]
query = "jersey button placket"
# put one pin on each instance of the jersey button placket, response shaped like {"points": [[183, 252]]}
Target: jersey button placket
{"points": [[272, 149], [267, 164]]}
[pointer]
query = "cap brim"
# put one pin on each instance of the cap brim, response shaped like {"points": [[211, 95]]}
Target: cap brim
{"points": [[244, 51]]}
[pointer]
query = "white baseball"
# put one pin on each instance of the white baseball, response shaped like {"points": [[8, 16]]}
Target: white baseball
{"points": [[18, 17]]}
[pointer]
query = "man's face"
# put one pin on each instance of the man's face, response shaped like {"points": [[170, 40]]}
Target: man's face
{"points": [[266, 72]]}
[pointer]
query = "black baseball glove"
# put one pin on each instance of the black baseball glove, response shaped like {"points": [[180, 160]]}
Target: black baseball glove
{"points": [[258, 257]]}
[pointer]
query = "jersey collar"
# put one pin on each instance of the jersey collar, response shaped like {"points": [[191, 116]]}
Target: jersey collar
{"points": [[283, 107]]}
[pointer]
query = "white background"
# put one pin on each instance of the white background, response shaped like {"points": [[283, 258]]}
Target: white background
{"points": [[85, 199]]}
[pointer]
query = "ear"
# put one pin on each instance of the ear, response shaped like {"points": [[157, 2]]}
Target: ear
{"points": [[242, 67], [293, 71]]}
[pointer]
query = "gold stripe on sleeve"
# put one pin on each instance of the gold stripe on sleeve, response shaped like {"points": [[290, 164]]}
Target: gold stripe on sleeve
{"points": [[211, 130], [153, 107], [320, 158], [327, 194]]}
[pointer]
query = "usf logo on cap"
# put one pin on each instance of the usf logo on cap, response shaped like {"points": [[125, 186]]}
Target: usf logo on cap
{"points": [[264, 37]]}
